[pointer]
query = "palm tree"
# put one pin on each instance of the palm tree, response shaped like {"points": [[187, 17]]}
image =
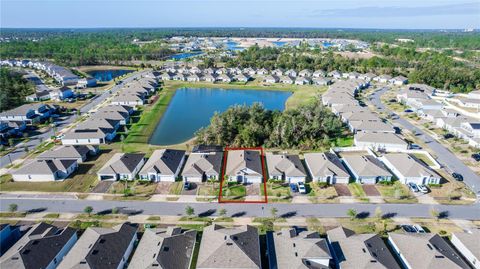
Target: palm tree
{"points": [[352, 213]]}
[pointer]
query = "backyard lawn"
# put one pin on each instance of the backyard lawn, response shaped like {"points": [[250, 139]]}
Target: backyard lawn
{"points": [[234, 192], [275, 189]]}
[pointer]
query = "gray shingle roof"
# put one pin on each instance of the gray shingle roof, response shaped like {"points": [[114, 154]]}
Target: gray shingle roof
{"points": [[280, 164], [169, 248], [238, 160], [44, 167], [100, 247], [199, 164], [122, 163], [229, 247], [37, 248], [325, 164], [163, 161]]}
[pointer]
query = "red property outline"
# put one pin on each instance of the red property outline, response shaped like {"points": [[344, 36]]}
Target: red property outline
{"points": [[264, 174]]}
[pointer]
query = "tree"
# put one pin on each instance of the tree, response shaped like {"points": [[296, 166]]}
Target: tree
{"points": [[88, 210], [222, 212], [11, 142], [378, 213], [25, 148], [189, 211], [273, 212], [352, 213], [115, 210], [435, 214], [12, 207]]}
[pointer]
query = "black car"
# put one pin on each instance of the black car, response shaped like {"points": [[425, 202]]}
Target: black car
{"points": [[187, 185], [448, 136], [476, 157], [457, 176]]}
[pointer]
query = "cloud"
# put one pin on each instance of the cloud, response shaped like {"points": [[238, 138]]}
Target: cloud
{"points": [[397, 11]]}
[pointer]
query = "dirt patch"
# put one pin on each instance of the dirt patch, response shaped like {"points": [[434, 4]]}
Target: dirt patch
{"points": [[163, 188], [342, 190], [370, 190], [253, 189], [102, 186]]}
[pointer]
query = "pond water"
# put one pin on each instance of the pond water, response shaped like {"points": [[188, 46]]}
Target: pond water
{"points": [[191, 108], [107, 75], [185, 55], [279, 43], [232, 45]]}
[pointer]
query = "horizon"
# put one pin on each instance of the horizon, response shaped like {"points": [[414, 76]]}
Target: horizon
{"points": [[311, 14]]}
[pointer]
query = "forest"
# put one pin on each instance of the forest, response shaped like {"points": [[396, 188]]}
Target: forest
{"points": [[310, 126], [14, 88]]}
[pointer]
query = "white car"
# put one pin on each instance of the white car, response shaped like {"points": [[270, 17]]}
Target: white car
{"points": [[419, 229], [423, 188], [301, 188]]}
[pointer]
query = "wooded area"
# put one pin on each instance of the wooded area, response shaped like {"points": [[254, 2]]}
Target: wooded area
{"points": [[14, 88]]}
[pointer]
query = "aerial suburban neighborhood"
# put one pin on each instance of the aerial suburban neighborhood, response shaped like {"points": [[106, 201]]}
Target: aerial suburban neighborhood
{"points": [[223, 146]]}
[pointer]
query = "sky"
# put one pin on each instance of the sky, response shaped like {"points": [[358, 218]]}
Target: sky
{"points": [[385, 14]]}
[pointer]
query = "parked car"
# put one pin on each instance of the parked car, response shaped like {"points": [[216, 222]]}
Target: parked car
{"points": [[413, 187], [293, 187], [408, 111], [419, 229], [423, 188], [408, 228], [187, 185], [393, 100], [476, 157], [448, 136], [457, 176], [415, 146], [301, 188]]}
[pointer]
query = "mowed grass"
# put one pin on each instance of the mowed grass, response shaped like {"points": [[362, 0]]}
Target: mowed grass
{"points": [[304, 95], [141, 131]]}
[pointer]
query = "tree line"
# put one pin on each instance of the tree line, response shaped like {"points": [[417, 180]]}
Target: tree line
{"points": [[309, 126], [13, 89]]}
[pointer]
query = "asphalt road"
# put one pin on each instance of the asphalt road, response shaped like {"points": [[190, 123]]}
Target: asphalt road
{"points": [[36, 139], [444, 156], [66, 205]]}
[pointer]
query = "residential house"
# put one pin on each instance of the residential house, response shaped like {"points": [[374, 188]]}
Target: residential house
{"points": [[354, 75], [291, 73], [326, 167], [9, 235], [419, 105], [61, 93], [210, 78], [398, 80], [319, 73], [271, 79], [106, 248], [322, 81], [78, 153], [382, 78], [164, 165], [371, 126], [262, 71], [360, 251], [203, 166], [122, 117], [379, 141], [409, 169], [285, 167], [43, 246], [292, 249], [474, 94], [89, 136], [167, 76], [286, 80], [302, 81], [229, 248], [128, 99], [366, 169], [29, 113], [424, 251], [40, 170], [166, 248], [224, 78], [123, 166], [467, 244], [86, 83], [367, 76], [242, 78], [305, 73], [193, 78], [335, 74], [244, 166], [278, 72], [38, 96]]}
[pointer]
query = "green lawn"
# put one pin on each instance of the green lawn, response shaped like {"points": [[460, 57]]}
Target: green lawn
{"points": [[234, 192], [176, 188], [357, 190], [141, 131], [396, 193], [275, 189], [422, 157]]}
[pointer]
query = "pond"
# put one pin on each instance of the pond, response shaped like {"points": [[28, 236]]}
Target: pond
{"points": [[185, 55], [109, 74], [191, 108], [232, 45], [280, 43]]}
